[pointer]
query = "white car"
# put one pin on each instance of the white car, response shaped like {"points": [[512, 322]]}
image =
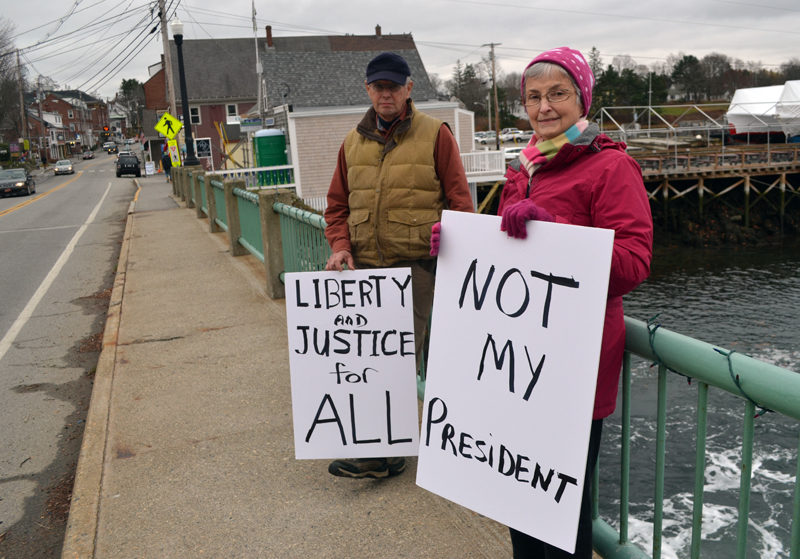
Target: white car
{"points": [[512, 153], [487, 138], [510, 134], [63, 167]]}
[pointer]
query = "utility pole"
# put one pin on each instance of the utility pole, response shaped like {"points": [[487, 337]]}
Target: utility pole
{"points": [[649, 99], [494, 90], [173, 109], [23, 113], [42, 127], [259, 70]]}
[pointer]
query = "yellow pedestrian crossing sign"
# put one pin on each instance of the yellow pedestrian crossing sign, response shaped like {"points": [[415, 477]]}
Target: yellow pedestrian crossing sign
{"points": [[168, 125]]}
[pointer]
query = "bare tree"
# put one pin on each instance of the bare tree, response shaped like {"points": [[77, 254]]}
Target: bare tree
{"points": [[10, 125], [717, 74], [438, 85], [623, 62], [791, 69], [131, 99]]}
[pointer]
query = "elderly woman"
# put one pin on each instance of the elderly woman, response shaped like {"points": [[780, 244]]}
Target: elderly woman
{"points": [[571, 173]]}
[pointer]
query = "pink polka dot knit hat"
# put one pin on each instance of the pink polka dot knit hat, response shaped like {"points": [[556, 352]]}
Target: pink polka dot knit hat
{"points": [[576, 66]]}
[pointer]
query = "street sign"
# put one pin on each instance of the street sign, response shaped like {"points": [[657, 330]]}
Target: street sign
{"points": [[254, 124], [174, 152], [202, 147], [168, 125]]}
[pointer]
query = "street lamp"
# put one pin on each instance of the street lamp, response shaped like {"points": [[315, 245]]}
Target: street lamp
{"points": [[177, 34]]}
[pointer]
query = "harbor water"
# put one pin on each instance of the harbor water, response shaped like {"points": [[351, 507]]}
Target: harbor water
{"points": [[742, 299]]}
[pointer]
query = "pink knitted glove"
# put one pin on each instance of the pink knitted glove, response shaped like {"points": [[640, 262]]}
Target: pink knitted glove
{"points": [[517, 215], [436, 233]]}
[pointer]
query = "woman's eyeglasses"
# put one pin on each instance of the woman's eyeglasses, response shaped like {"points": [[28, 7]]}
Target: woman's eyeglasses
{"points": [[553, 97]]}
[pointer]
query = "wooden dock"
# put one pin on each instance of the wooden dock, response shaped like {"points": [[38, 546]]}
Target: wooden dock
{"points": [[754, 173]]}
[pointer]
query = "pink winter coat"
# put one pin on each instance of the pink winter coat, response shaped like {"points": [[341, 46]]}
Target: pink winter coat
{"points": [[593, 182]]}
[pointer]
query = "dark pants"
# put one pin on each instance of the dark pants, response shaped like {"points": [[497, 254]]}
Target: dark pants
{"points": [[423, 277], [526, 547]]}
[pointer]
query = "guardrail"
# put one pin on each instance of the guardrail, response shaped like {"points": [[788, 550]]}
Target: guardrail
{"points": [[258, 177], [484, 162], [290, 238], [759, 384], [698, 161], [253, 224]]}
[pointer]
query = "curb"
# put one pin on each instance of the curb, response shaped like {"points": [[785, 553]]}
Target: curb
{"points": [[81, 532]]}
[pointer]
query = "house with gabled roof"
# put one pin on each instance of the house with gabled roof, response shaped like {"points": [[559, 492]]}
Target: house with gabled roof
{"points": [[315, 86], [314, 91]]}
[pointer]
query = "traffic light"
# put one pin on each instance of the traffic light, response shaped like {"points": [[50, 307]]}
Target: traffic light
{"points": [[105, 128]]}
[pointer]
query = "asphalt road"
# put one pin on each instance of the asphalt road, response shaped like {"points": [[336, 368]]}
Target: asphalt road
{"points": [[58, 254]]}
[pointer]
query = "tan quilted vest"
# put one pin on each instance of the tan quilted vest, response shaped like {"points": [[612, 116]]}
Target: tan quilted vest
{"points": [[395, 195]]}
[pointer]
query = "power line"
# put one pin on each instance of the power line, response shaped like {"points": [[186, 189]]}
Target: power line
{"points": [[144, 39], [140, 26]]}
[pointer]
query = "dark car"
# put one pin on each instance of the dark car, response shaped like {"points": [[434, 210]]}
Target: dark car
{"points": [[88, 154], [128, 165], [16, 181]]}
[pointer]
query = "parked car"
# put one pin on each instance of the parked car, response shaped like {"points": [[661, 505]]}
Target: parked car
{"points": [[63, 167], [488, 138], [510, 134], [128, 164], [16, 181], [512, 153], [88, 154]]}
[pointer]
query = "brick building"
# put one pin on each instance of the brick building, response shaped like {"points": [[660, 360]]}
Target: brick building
{"points": [[80, 121]]}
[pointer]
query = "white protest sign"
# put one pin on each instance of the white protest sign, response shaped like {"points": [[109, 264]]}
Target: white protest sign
{"points": [[514, 351], [351, 359]]}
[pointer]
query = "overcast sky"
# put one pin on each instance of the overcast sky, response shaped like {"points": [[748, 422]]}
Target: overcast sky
{"points": [[94, 44]]}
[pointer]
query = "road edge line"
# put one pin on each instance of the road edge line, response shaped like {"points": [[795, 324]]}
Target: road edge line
{"points": [[81, 533]]}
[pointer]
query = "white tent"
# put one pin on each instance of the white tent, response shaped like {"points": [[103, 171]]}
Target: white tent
{"points": [[755, 109], [775, 108], [789, 108]]}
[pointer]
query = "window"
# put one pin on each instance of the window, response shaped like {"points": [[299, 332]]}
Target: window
{"points": [[232, 114], [194, 115]]}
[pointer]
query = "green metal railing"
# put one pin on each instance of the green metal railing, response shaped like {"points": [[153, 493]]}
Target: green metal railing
{"points": [[759, 385], [218, 189], [249, 222], [203, 203], [305, 248], [256, 177]]}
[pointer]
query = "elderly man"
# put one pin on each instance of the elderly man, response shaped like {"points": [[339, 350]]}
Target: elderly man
{"points": [[396, 172]]}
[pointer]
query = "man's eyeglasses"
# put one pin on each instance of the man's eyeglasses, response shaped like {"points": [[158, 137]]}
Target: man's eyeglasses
{"points": [[553, 97], [390, 87]]}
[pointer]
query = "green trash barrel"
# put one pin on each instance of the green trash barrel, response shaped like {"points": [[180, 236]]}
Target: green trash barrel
{"points": [[269, 146]]}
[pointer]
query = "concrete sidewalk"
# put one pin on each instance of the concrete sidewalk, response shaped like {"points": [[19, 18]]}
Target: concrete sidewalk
{"points": [[188, 449]]}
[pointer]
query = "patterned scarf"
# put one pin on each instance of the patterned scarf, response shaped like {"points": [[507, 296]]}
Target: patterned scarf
{"points": [[538, 152]]}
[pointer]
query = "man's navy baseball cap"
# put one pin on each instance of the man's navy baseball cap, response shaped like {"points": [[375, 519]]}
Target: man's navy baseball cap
{"points": [[388, 66]]}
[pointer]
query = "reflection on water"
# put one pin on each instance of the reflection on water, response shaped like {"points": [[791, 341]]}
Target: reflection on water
{"points": [[742, 299]]}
